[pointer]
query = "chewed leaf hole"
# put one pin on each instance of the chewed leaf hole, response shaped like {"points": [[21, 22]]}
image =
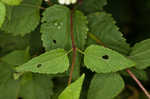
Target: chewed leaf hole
{"points": [[54, 41], [105, 57], [20, 98], [39, 65]]}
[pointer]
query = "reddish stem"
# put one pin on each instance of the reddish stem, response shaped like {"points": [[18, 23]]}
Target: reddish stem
{"points": [[73, 47], [139, 83]]}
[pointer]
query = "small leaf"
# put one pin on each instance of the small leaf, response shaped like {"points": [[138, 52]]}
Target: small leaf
{"points": [[51, 62], [104, 60], [2, 13], [73, 90], [22, 19], [90, 6], [102, 25], [141, 54], [105, 86], [12, 2]]}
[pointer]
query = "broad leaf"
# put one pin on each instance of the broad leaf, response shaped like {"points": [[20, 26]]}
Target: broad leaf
{"points": [[36, 86], [2, 13], [105, 86], [22, 19], [17, 57], [102, 25], [73, 90], [104, 60], [12, 2], [51, 62], [55, 27], [89, 6], [141, 54]]}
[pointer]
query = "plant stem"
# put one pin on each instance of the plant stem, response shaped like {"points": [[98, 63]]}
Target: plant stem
{"points": [[73, 47], [80, 51], [139, 83], [128, 71]]}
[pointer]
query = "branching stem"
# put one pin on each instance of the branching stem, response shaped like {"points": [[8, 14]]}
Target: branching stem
{"points": [[128, 71], [73, 47]]}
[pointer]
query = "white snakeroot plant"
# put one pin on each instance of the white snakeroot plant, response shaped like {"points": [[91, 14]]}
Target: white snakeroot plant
{"points": [[67, 2]]}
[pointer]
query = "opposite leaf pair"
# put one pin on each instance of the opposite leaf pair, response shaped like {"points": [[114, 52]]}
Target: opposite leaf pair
{"points": [[96, 58]]}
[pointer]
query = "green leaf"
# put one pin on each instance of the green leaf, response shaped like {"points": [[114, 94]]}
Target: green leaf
{"points": [[2, 13], [104, 60], [8, 86], [141, 54], [105, 86], [102, 25], [17, 57], [35, 86], [73, 90], [22, 19], [55, 27], [12, 2], [80, 29], [51, 62], [89, 6]]}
